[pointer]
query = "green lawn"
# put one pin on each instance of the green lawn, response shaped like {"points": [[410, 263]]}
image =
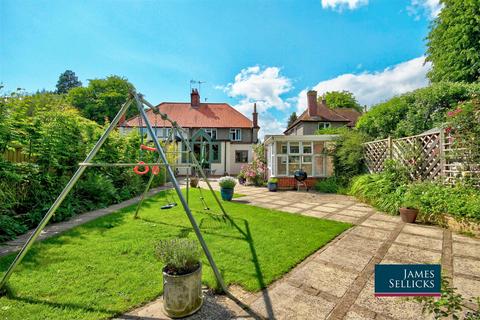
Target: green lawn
{"points": [[107, 266]]}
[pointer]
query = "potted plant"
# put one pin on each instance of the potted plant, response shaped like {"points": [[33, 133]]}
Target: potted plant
{"points": [[194, 182], [227, 184], [242, 178], [182, 276], [409, 207], [272, 184]]}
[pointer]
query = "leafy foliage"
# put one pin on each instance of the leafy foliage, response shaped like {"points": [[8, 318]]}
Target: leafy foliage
{"points": [[293, 117], [463, 130], [67, 80], [454, 42], [392, 188], [415, 112], [102, 98], [450, 305], [341, 99], [180, 256], [329, 185], [56, 138]]}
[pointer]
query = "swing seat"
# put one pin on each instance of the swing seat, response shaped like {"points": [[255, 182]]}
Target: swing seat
{"points": [[168, 206]]}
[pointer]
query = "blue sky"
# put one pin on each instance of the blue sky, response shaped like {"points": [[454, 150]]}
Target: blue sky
{"points": [[245, 51]]}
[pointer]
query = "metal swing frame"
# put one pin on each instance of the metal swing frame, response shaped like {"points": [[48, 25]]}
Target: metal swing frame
{"points": [[162, 160]]}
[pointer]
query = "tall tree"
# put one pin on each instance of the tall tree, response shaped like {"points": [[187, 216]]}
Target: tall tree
{"points": [[291, 119], [341, 99], [67, 80], [454, 42], [102, 98]]}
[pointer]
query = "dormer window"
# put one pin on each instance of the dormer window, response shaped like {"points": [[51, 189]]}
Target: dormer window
{"points": [[323, 125]]}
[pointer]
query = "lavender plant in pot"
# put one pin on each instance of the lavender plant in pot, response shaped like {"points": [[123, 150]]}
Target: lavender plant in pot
{"points": [[409, 207], [182, 276]]}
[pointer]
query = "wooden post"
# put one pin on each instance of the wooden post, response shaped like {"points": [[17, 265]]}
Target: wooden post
{"points": [[442, 154], [389, 148]]}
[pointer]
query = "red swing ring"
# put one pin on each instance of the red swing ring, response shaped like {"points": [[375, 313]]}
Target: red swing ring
{"points": [[137, 170], [155, 170], [144, 147]]}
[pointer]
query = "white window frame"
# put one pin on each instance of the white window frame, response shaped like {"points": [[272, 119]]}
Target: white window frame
{"points": [[235, 134], [212, 132], [286, 158], [324, 125]]}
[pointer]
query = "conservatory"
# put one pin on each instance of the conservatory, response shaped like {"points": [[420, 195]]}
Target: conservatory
{"points": [[286, 154]]}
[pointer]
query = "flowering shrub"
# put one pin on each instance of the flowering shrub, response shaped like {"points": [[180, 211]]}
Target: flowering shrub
{"points": [[254, 172], [463, 132], [227, 182]]}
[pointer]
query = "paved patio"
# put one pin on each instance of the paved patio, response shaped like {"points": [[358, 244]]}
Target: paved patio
{"points": [[336, 282]]}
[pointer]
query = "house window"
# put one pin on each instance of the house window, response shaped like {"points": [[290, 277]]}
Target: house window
{"points": [[241, 156], [216, 158], [235, 134], [294, 147], [212, 133], [323, 125]]}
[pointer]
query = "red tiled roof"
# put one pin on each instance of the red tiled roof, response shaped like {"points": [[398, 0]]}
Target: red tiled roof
{"points": [[207, 115], [347, 115]]}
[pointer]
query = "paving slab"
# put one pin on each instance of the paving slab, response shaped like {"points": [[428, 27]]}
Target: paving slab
{"points": [[469, 266], [467, 249], [285, 302], [323, 277], [433, 232], [412, 255], [393, 307], [386, 225], [343, 218], [344, 257], [419, 241], [368, 232]]}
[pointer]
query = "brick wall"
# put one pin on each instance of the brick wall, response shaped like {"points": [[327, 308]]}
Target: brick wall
{"points": [[288, 183]]}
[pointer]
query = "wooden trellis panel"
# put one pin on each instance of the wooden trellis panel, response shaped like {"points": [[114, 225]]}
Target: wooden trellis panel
{"points": [[428, 156], [376, 152], [422, 154]]}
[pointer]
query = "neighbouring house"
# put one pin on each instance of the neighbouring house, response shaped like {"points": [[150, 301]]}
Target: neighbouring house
{"points": [[301, 148], [221, 137], [319, 116]]}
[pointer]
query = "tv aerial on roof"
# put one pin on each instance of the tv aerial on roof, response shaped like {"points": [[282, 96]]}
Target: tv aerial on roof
{"points": [[196, 82]]}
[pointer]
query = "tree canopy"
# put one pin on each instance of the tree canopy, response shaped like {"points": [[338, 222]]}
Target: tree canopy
{"points": [[415, 112], [66, 81], [292, 119], [341, 99], [454, 42], [102, 98]]}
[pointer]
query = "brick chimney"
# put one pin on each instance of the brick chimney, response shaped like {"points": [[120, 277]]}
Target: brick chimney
{"points": [[255, 116], [312, 103], [195, 98]]}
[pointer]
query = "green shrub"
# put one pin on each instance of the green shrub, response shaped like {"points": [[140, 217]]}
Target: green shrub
{"points": [[329, 185], [180, 256], [9, 228], [273, 180]]}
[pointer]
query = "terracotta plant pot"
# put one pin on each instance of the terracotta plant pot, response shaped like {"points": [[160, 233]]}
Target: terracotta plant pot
{"points": [[193, 182], [182, 294], [408, 215]]}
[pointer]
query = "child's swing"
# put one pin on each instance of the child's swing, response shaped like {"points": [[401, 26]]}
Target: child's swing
{"points": [[155, 169]]}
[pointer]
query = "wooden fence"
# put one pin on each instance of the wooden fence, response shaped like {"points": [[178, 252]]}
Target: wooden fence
{"points": [[428, 156], [15, 156]]}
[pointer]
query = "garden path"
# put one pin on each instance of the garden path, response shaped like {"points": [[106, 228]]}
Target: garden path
{"points": [[336, 282]]}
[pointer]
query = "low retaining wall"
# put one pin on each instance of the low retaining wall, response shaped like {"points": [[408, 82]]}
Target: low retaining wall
{"points": [[289, 183]]}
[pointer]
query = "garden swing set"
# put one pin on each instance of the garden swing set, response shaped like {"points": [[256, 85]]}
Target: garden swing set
{"points": [[161, 161]]}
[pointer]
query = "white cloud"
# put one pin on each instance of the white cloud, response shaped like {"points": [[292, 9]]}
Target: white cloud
{"points": [[263, 86], [373, 87], [341, 4], [429, 8]]}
